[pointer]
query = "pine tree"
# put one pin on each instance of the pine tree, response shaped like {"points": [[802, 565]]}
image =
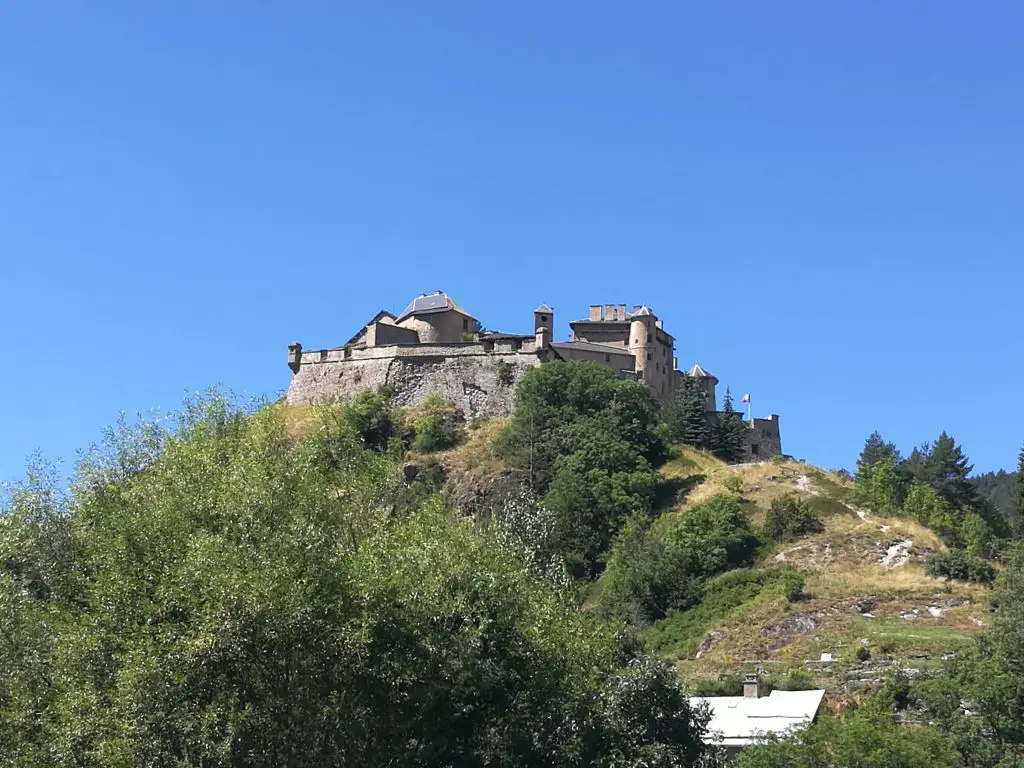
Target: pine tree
{"points": [[1019, 506], [685, 415], [727, 406], [946, 470], [729, 438], [875, 450]]}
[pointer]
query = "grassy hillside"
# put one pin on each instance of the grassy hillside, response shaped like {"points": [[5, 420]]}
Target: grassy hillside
{"points": [[866, 587], [866, 598]]}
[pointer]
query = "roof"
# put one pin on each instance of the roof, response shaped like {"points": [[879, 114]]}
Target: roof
{"points": [[544, 308], [740, 720], [643, 312], [375, 319], [495, 335], [699, 373], [591, 346], [426, 304]]}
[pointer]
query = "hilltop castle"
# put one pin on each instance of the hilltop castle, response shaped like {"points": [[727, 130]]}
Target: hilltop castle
{"points": [[436, 347]]}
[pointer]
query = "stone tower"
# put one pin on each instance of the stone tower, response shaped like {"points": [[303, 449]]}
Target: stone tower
{"points": [[544, 317], [641, 341]]}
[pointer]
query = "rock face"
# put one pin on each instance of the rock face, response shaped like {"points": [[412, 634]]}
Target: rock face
{"points": [[479, 383]]}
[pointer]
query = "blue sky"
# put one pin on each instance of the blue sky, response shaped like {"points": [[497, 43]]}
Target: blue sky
{"points": [[823, 201]]}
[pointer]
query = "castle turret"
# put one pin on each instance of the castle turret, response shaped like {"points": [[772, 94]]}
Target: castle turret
{"points": [[544, 317], [707, 382], [641, 341], [294, 356]]}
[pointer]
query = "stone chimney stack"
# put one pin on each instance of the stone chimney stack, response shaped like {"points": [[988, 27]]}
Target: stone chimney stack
{"points": [[294, 356], [750, 687]]}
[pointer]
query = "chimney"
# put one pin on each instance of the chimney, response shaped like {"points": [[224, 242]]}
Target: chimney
{"points": [[750, 687], [542, 338], [622, 312], [609, 312], [595, 312]]}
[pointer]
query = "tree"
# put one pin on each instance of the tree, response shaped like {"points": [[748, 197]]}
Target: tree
{"points": [[876, 449], [789, 518], [1019, 505], [729, 437], [686, 417], [246, 598], [727, 406], [947, 469]]}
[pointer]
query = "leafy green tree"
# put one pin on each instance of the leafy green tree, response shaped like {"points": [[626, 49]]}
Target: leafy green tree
{"points": [[686, 416], [373, 418], [882, 487], [227, 595], [663, 567]]}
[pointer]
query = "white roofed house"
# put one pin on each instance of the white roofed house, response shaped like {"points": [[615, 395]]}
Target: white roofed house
{"points": [[739, 721]]}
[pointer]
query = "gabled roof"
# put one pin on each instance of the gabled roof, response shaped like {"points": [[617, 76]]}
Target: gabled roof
{"points": [[544, 308], [376, 319], [426, 304], [699, 373], [643, 312], [740, 720]]}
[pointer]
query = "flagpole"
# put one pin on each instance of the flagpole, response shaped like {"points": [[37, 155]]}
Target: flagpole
{"points": [[749, 422]]}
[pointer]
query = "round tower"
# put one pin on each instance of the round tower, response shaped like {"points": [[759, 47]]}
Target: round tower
{"points": [[641, 341]]}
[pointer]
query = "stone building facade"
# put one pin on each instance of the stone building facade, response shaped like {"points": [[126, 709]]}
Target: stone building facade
{"points": [[436, 347]]}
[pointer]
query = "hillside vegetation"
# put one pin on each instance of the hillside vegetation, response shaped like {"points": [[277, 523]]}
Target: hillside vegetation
{"points": [[359, 584]]}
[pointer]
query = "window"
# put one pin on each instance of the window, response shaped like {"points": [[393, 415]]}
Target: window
{"points": [[543, 318], [465, 323], [608, 358], [648, 355], [755, 449], [649, 338]]}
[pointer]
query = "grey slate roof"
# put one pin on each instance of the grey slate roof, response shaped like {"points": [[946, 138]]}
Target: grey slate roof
{"points": [[426, 304], [544, 308]]}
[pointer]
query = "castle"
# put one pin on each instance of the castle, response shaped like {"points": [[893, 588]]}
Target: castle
{"points": [[436, 347]]}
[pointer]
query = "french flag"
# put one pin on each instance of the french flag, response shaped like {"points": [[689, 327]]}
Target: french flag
{"points": [[746, 398]]}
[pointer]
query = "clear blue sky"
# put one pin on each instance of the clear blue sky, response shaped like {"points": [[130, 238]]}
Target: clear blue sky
{"points": [[823, 201]]}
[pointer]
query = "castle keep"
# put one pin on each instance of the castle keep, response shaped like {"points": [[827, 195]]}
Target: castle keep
{"points": [[436, 347]]}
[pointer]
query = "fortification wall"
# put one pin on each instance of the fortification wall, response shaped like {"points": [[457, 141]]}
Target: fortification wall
{"points": [[764, 438], [479, 382]]}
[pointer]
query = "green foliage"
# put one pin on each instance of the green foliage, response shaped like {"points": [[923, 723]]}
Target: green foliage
{"points": [[788, 518], [881, 487], [1000, 489], [679, 634], [685, 415], [663, 567], [223, 595], [372, 417], [505, 372], [437, 427], [733, 483], [876, 450], [728, 437], [862, 739], [960, 566], [588, 442]]}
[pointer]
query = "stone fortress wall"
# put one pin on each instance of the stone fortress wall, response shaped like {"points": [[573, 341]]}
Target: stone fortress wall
{"points": [[437, 348]]}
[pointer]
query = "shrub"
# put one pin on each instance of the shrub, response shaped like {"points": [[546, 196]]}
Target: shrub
{"points": [[437, 427], [862, 653], [960, 566], [789, 518], [505, 372], [373, 418], [733, 483]]}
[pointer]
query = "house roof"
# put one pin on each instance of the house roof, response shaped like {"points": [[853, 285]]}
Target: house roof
{"points": [[699, 373], [591, 346], [375, 319], [544, 308], [740, 720], [643, 312], [426, 304]]}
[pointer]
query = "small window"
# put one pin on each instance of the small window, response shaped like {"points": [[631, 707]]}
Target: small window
{"points": [[607, 358], [650, 338], [755, 449], [648, 355], [465, 323], [543, 318]]}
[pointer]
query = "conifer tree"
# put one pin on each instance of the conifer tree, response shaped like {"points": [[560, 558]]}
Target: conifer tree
{"points": [[1019, 505], [729, 437], [875, 450], [727, 406], [947, 469], [685, 415]]}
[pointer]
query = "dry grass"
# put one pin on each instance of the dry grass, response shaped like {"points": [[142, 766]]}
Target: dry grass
{"points": [[476, 454]]}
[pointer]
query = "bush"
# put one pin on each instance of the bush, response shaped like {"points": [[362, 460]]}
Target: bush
{"points": [[373, 418], [789, 518], [960, 566], [862, 653], [437, 427], [733, 483]]}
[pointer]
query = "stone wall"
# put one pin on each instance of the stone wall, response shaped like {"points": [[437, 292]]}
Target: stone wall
{"points": [[478, 382], [764, 438]]}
